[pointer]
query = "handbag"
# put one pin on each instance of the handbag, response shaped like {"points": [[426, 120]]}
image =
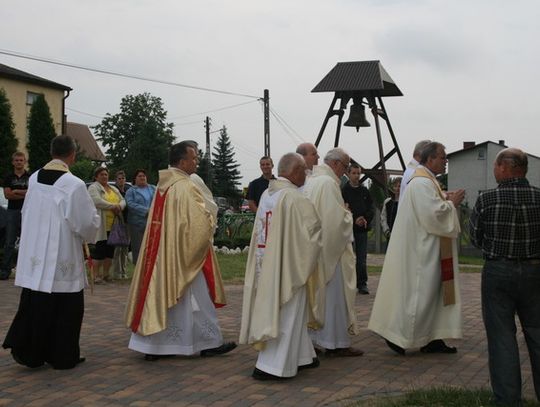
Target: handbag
{"points": [[118, 235]]}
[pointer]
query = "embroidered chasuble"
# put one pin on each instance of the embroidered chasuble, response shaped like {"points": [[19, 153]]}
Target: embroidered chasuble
{"points": [[176, 246], [282, 259]]}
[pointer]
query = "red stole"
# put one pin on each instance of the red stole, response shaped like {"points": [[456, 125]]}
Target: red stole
{"points": [[150, 255]]}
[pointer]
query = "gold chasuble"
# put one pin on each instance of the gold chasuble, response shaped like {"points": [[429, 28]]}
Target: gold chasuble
{"points": [[289, 262], [177, 244]]}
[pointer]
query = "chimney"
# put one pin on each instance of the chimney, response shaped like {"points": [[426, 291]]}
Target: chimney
{"points": [[468, 144], [501, 142]]}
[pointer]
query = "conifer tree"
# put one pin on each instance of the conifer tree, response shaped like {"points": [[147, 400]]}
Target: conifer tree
{"points": [[40, 134], [225, 173], [8, 140]]}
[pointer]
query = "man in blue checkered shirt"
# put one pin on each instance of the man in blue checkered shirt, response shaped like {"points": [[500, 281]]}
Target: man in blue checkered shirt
{"points": [[505, 224]]}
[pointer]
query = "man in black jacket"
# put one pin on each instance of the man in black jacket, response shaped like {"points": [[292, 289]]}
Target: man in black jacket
{"points": [[359, 202]]}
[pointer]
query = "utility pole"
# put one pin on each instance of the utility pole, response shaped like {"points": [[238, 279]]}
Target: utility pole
{"points": [[266, 102], [209, 164]]}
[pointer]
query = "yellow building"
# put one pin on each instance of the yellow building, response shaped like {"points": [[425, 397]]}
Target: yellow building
{"points": [[22, 89]]}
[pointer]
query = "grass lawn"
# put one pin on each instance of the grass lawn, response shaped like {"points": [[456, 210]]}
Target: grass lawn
{"points": [[233, 266], [437, 397]]}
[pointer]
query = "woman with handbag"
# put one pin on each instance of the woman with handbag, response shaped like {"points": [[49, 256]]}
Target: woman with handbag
{"points": [[139, 198], [109, 203]]}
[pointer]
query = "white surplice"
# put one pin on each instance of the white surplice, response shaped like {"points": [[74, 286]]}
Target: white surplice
{"points": [[408, 308], [336, 257], [56, 220], [192, 326], [276, 309]]}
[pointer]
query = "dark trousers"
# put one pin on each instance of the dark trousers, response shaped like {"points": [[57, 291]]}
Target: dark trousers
{"points": [[510, 288], [46, 328], [360, 247], [13, 230]]}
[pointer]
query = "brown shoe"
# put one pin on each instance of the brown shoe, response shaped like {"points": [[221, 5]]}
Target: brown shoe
{"points": [[338, 352]]}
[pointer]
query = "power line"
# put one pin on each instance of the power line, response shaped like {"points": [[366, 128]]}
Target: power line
{"points": [[288, 125], [185, 124], [285, 129], [141, 78], [214, 110], [87, 114]]}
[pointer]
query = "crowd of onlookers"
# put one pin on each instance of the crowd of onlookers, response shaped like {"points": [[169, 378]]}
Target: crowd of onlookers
{"points": [[126, 203], [123, 203]]}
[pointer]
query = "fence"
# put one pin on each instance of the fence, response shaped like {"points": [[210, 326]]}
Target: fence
{"points": [[234, 229]]}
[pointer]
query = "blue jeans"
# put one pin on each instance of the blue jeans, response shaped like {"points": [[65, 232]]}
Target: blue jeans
{"points": [[360, 247], [510, 288], [13, 230]]}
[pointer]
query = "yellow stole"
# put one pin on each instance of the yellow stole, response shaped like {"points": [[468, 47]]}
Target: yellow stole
{"points": [[56, 165], [447, 261]]}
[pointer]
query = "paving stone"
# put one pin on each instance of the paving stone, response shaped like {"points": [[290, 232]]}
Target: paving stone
{"points": [[114, 375]]}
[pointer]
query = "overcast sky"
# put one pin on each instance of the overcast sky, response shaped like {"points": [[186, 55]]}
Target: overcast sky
{"points": [[468, 69]]}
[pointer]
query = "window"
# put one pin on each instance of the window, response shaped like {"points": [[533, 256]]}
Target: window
{"points": [[481, 154], [31, 98]]}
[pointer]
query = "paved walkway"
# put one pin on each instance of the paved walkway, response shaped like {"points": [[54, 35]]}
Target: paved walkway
{"points": [[114, 375]]}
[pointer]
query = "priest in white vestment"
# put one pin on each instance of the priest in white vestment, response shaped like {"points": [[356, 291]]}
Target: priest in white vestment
{"points": [[177, 284], [336, 261], [281, 287], [417, 302], [58, 216]]}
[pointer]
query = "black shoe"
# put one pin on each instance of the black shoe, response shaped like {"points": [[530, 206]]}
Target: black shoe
{"points": [[20, 361], [220, 350], [363, 290], [312, 365], [398, 349], [4, 277], [152, 358], [81, 360], [260, 375], [438, 346]]}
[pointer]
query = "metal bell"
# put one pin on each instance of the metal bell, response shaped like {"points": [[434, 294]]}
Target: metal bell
{"points": [[357, 117]]}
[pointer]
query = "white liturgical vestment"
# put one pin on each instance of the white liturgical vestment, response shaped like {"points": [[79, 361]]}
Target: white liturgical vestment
{"points": [[408, 308], [56, 220]]}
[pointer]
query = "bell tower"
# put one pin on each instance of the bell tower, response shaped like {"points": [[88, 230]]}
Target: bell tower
{"points": [[365, 83]]}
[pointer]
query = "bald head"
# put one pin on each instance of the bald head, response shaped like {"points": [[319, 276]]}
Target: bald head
{"points": [[310, 154], [510, 163], [293, 167]]}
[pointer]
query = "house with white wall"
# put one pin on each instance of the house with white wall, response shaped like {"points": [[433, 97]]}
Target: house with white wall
{"points": [[471, 168]]}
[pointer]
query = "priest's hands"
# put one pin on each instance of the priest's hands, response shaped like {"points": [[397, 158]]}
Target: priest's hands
{"points": [[456, 197], [361, 221]]}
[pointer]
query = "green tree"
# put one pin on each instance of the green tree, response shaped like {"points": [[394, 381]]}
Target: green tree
{"points": [[83, 168], [138, 136], [40, 133], [225, 174], [8, 140]]}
